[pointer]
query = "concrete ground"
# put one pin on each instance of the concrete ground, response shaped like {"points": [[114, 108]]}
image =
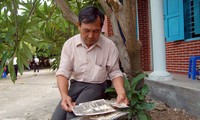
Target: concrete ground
{"points": [[32, 97], [35, 97]]}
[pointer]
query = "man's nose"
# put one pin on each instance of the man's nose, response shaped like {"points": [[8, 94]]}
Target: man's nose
{"points": [[91, 34]]}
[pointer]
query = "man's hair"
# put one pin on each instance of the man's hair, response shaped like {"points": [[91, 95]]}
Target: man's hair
{"points": [[90, 14]]}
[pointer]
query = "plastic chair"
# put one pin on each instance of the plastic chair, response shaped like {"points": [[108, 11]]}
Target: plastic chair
{"points": [[192, 70]]}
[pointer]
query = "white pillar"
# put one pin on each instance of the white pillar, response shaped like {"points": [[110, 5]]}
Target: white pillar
{"points": [[158, 41]]}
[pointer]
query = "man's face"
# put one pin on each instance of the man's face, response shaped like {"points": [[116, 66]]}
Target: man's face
{"points": [[90, 32]]}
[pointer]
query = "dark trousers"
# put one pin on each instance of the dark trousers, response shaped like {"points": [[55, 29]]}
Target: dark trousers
{"points": [[81, 92], [36, 67], [7, 70], [16, 70]]}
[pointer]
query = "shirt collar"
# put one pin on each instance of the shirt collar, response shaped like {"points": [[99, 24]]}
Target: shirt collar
{"points": [[99, 42], [80, 41]]}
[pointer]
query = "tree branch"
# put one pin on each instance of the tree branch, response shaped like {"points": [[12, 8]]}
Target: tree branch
{"points": [[32, 9], [123, 54], [67, 13], [106, 8], [16, 20], [117, 8]]}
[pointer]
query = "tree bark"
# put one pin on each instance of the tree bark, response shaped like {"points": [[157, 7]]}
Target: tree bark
{"points": [[67, 12], [123, 54], [132, 43], [126, 16]]}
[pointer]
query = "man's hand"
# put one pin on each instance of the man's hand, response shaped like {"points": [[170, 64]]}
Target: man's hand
{"points": [[118, 83], [67, 103], [122, 99]]}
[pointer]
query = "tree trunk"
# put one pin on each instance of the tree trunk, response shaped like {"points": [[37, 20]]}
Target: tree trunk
{"points": [[132, 43], [126, 16]]}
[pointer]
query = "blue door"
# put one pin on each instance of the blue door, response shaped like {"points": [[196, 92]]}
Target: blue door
{"points": [[174, 20]]}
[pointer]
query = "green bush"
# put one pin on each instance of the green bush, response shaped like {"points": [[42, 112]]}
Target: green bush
{"points": [[138, 105]]}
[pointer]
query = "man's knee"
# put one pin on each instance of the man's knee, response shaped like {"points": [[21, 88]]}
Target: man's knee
{"points": [[59, 113], [70, 115]]}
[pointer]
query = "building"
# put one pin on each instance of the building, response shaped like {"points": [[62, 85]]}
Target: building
{"points": [[181, 38], [170, 33]]}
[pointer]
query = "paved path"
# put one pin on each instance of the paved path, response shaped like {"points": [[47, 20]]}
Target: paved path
{"points": [[30, 98]]}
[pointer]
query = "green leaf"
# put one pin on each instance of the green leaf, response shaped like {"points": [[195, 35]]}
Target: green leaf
{"points": [[142, 115], [141, 97], [1, 71], [148, 117], [134, 100], [130, 116], [42, 26], [12, 71], [131, 113], [20, 63], [144, 90], [31, 41], [33, 22], [24, 59], [9, 34], [3, 59], [27, 51], [26, 5], [129, 94], [137, 79], [148, 106], [45, 8], [139, 107], [40, 14], [110, 90]]}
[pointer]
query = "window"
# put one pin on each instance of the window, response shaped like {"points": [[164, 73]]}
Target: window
{"points": [[182, 19]]}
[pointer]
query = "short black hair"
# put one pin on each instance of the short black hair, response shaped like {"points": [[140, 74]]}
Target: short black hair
{"points": [[89, 14]]}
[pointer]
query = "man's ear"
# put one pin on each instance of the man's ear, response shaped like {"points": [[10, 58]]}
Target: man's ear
{"points": [[78, 25]]}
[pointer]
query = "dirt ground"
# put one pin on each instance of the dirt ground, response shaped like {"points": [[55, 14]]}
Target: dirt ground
{"points": [[163, 112]]}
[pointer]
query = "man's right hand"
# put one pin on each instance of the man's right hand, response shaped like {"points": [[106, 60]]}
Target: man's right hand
{"points": [[67, 103]]}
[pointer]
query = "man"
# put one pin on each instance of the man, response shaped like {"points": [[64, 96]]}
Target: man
{"points": [[88, 59], [36, 64], [15, 66]]}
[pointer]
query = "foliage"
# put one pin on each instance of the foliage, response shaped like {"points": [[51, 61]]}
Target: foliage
{"points": [[31, 28], [13, 36], [76, 5], [137, 98]]}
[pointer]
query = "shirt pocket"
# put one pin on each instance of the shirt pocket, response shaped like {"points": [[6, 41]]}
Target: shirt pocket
{"points": [[98, 74]]}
